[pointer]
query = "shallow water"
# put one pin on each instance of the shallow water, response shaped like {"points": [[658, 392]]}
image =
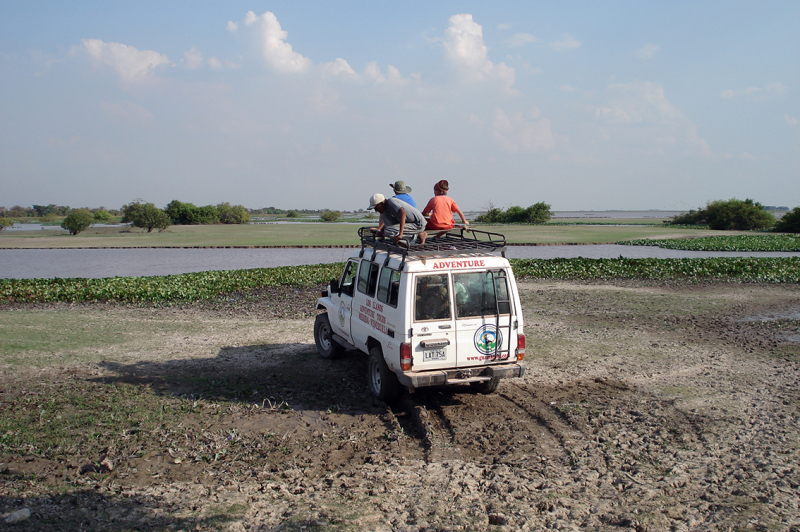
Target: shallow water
{"points": [[95, 263]]}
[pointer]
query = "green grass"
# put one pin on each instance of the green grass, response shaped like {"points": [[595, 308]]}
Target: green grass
{"points": [[761, 242], [49, 421], [47, 331], [320, 234]]}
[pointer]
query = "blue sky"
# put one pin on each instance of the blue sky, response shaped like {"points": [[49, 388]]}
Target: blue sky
{"points": [[584, 105]]}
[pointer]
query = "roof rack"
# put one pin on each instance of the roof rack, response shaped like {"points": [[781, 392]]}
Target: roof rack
{"points": [[456, 241]]}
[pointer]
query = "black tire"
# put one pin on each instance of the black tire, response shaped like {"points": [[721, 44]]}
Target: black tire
{"points": [[323, 337], [382, 382], [485, 387]]}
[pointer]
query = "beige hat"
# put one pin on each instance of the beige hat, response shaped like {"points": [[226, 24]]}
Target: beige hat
{"points": [[400, 187], [375, 200]]}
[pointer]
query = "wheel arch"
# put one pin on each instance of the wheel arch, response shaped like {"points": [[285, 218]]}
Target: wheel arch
{"points": [[374, 342]]}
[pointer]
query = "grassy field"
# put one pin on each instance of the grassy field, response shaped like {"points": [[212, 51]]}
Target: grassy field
{"points": [[318, 234]]}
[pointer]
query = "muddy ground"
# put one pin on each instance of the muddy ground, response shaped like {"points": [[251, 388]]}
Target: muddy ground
{"points": [[646, 406]]}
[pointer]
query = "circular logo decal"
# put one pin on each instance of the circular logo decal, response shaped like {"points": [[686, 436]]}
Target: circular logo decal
{"points": [[342, 313], [487, 339]]}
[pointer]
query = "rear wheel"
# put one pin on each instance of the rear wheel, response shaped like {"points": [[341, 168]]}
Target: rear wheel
{"points": [[323, 337], [486, 387], [382, 381]]}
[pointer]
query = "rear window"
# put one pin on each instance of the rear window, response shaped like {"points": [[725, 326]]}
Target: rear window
{"points": [[480, 294], [432, 298]]}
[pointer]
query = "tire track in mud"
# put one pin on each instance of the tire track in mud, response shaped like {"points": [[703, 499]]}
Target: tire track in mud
{"points": [[515, 423]]}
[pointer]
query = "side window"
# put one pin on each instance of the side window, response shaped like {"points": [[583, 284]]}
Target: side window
{"points": [[389, 286], [432, 298], [477, 294], [349, 278], [368, 278]]}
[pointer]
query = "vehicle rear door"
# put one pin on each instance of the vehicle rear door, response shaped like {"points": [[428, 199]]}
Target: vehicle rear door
{"points": [[434, 341], [483, 317]]}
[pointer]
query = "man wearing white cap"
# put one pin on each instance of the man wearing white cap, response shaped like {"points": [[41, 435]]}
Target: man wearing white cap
{"points": [[398, 219]]}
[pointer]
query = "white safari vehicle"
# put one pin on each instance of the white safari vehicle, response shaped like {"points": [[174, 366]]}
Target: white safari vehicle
{"points": [[445, 312]]}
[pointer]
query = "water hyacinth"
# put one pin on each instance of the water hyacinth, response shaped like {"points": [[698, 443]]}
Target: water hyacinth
{"points": [[745, 269], [205, 285], [778, 242]]}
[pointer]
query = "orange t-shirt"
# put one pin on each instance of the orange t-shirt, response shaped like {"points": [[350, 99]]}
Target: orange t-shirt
{"points": [[441, 209]]}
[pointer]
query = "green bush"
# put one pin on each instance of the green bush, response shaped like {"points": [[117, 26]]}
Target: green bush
{"points": [[5, 222], [103, 216], [235, 214], [206, 215], [145, 215], [293, 214], [78, 220], [330, 216], [732, 214], [538, 213], [181, 213], [790, 222], [178, 212]]}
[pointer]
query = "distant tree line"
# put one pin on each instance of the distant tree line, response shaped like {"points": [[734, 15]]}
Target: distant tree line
{"points": [[181, 213], [49, 212], [537, 213]]}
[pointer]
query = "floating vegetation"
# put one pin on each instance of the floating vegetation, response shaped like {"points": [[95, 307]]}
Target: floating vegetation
{"points": [[779, 242], [746, 269], [206, 285]]}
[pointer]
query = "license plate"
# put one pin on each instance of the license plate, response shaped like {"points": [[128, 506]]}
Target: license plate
{"points": [[434, 354]]}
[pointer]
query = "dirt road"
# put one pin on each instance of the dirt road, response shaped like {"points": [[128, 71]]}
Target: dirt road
{"points": [[645, 407]]}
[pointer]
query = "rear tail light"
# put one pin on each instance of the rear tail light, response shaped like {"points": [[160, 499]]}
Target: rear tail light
{"points": [[520, 346], [406, 361]]}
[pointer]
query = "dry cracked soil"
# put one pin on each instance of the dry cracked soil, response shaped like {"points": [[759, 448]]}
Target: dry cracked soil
{"points": [[646, 406]]}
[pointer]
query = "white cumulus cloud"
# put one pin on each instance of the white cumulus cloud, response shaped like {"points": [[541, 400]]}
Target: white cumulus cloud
{"points": [[520, 39], [273, 46], [648, 51], [567, 42], [194, 59], [464, 47], [336, 68], [128, 62]]}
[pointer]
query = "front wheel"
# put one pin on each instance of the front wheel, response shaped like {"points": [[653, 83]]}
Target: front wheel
{"points": [[382, 381], [323, 337]]}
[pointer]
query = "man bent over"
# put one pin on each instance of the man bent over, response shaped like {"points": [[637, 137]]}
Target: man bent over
{"points": [[398, 219]]}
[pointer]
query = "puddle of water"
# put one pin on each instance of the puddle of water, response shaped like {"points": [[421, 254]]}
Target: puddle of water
{"points": [[793, 314]]}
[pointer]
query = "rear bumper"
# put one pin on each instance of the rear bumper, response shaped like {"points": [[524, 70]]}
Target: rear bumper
{"points": [[420, 379]]}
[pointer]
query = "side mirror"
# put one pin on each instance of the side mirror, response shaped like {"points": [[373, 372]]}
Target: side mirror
{"points": [[335, 286]]}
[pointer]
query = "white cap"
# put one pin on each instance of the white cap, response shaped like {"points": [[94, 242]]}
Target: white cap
{"points": [[375, 199]]}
